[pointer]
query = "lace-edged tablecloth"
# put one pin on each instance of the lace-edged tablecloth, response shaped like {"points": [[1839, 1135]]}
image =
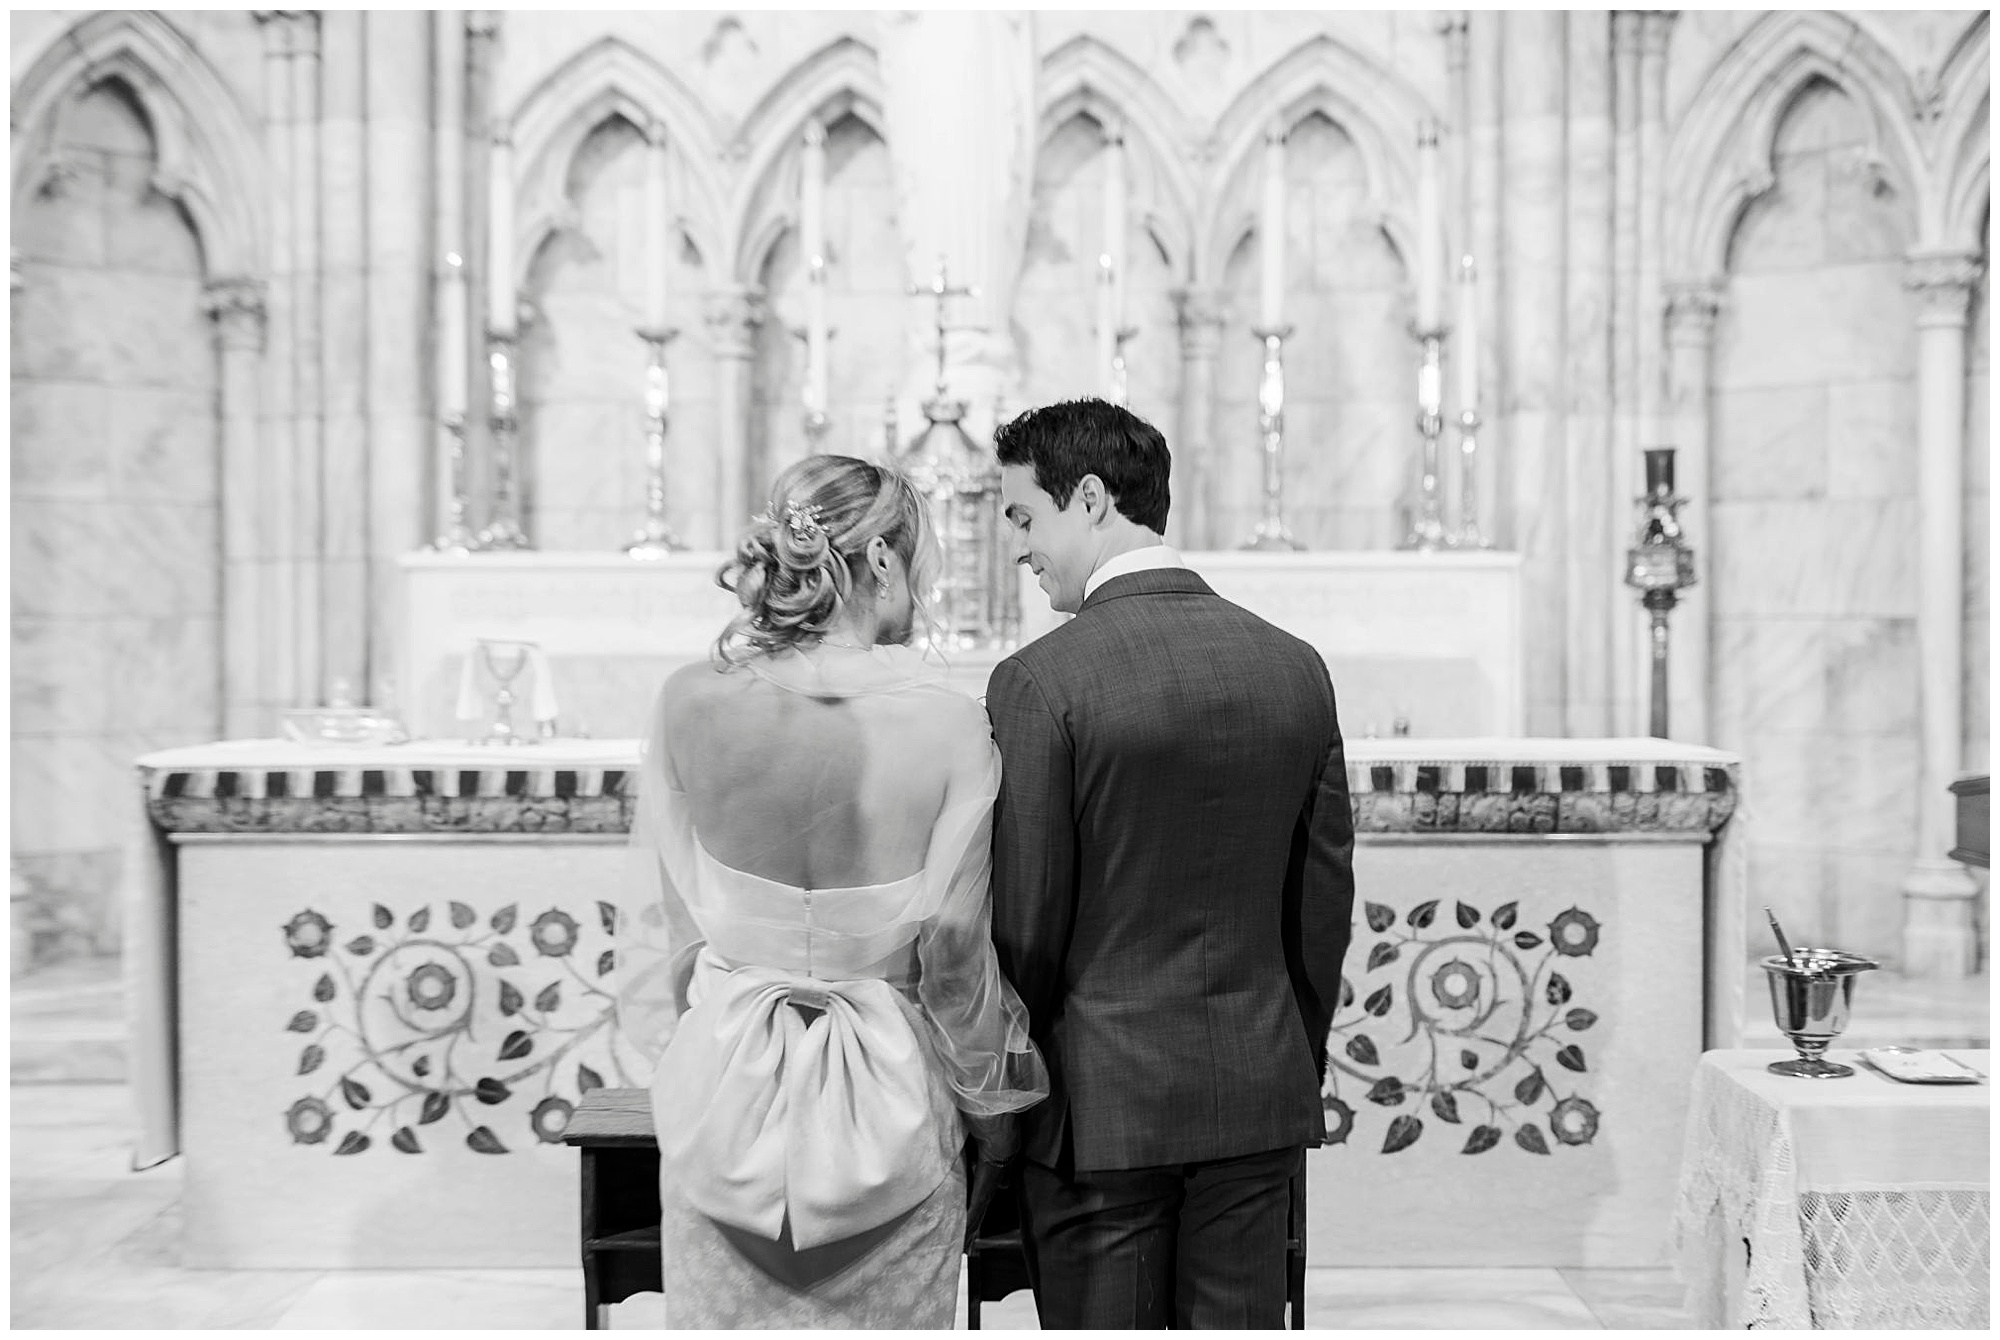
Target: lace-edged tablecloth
{"points": [[1834, 1204]]}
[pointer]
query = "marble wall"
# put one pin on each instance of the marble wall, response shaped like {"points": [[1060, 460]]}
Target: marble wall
{"points": [[115, 635], [318, 166], [1813, 505]]}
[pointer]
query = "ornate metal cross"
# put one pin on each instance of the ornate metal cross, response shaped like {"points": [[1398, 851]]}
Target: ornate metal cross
{"points": [[940, 288]]}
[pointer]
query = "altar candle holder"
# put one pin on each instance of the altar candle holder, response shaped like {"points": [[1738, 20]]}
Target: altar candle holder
{"points": [[504, 531], [457, 537], [1468, 535], [1428, 532], [1121, 391], [656, 539], [1660, 566], [1271, 536]]}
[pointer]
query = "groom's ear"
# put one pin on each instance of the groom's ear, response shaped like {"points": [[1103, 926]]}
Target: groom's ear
{"points": [[1096, 498]]}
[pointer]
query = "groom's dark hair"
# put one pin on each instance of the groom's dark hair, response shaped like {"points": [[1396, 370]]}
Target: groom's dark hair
{"points": [[1073, 438]]}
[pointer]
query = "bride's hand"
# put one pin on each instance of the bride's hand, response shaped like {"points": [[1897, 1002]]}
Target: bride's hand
{"points": [[998, 1137]]}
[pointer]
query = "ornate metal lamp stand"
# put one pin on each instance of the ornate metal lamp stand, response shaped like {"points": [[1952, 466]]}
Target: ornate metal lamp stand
{"points": [[656, 539], [457, 537], [504, 531], [1271, 535], [1660, 566], [1428, 533]]}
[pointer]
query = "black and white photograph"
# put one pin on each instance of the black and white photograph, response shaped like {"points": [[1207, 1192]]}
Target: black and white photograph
{"points": [[933, 668]]}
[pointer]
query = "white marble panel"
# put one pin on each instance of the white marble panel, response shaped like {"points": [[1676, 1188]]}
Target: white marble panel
{"points": [[1866, 220], [1786, 781], [55, 779], [58, 675], [151, 236], [63, 226], [1822, 558], [1864, 888], [163, 443], [1871, 439], [55, 548], [155, 332], [1854, 321], [1872, 806], [1791, 879], [61, 439], [1770, 674], [1769, 443], [1871, 675], [64, 326], [1784, 229], [157, 559]]}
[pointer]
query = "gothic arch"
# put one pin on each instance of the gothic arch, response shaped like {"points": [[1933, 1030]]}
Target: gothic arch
{"points": [[1720, 159], [1954, 217], [840, 79], [608, 78], [1377, 110], [207, 157], [1086, 77]]}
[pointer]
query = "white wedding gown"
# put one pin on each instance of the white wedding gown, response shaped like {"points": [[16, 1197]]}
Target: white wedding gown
{"points": [[821, 986]]}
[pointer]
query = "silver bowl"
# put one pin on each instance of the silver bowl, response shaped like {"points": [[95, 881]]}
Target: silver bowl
{"points": [[1812, 993]]}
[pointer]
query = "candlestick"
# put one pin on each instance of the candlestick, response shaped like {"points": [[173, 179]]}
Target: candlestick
{"points": [[1271, 534], [658, 225], [1427, 532], [1429, 251], [1107, 327], [1114, 223], [655, 539], [500, 295], [504, 531], [451, 353], [817, 335], [456, 537], [812, 251], [1468, 334], [1468, 535], [1271, 232]]}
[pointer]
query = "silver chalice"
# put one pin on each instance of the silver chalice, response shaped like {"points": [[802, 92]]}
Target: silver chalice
{"points": [[1812, 992]]}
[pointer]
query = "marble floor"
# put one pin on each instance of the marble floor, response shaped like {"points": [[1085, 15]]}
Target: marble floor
{"points": [[96, 1245]]}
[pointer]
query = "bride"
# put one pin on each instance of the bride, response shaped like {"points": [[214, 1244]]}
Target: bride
{"points": [[812, 826]]}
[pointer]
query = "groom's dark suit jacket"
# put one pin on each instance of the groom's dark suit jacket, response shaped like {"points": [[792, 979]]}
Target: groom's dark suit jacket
{"points": [[1173, 877]]}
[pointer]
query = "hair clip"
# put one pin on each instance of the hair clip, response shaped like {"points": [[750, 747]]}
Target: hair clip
{"points": [[801, 519]]}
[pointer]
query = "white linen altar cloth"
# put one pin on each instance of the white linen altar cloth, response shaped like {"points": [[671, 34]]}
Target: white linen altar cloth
{"points": [[1864, 1202]]}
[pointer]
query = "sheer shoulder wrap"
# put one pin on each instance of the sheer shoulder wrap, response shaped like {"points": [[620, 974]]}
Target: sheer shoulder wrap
{"points": [[814, 972]]}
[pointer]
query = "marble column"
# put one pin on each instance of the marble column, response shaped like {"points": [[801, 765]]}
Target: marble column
{"points": [[1650, 357], [732, 316], [1691, 312], [346, 353], [1482, 77], [1628, 313], [1940, 937], [964, 183], [401, 361], [482, 40], [1191, 522], [237, 308], [308, 367], [1591, 558], [1534, 50], [283, 681], [447, 85]]}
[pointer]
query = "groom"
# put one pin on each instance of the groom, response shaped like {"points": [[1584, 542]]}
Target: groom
{"points": [[1172, 891]]}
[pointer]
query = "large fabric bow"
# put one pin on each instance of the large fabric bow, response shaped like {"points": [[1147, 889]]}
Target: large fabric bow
{"points": [[763, 1115]]}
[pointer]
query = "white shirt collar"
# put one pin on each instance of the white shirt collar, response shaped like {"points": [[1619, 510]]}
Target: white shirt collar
{"points": [[1134, 560]]}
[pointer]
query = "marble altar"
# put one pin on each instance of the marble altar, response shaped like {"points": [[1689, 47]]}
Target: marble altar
{"points": [[1431, 638], [386, 970]]}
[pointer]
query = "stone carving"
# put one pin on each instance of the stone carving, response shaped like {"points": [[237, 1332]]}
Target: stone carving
{"points": [[419, 1018], [1691, 311], [237, 308], [1943, 283], [1472, 1021]]}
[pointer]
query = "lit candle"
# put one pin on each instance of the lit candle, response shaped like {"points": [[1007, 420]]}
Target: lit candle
{"points": [[812, 248], [501, 301], [1468, 335], [451, 364], [657, 228], [1430, 232], [1271, 231]]}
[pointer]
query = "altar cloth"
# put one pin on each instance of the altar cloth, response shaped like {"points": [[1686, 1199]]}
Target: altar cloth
{"points": [[1861, 1202]]}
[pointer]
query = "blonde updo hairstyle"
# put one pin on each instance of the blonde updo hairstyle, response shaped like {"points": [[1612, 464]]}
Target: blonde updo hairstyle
{"points": [[797, 565]]}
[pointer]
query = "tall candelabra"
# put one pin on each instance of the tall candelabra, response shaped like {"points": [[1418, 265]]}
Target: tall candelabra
{"points": [[1660, 566], [1271, 534], [504, 531], [1468, 535], [457, 536], [656, 539], [1427, 532]]}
